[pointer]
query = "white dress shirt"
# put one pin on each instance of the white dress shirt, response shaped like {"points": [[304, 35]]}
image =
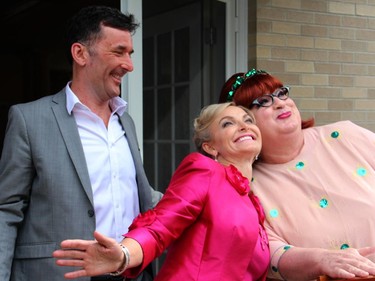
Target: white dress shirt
{"points": [[110, 166]]}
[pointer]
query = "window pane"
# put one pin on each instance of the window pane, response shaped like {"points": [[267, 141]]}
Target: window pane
{"points": [[148, 115], [164, 58], [182, 150], [164, 114], [182, 110], [148, 65], [164, 166], [182, 44]]}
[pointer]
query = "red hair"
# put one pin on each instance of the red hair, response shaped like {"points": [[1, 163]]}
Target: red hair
{"points": [[252, 88]]}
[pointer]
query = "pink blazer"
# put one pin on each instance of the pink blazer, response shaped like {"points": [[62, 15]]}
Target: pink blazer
{"points": [[209, 224]]}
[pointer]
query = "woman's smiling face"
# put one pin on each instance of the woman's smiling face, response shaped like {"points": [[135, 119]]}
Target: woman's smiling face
{"points": [[234, 135], [279, 118]]}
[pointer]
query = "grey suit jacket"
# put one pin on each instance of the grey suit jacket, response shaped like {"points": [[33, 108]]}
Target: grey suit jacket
{"points": [[45, 190]]}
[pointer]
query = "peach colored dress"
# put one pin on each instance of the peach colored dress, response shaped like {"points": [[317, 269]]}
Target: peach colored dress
{"points": [[325, 197]]}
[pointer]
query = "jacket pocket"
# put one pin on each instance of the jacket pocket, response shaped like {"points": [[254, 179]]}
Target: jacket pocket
{"points": [[35, 250]]}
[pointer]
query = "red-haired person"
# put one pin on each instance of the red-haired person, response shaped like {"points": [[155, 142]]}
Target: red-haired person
{"points": [[316, 184]]}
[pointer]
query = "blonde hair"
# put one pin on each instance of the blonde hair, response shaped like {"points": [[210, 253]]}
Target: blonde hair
{"points": [[206, 117]]}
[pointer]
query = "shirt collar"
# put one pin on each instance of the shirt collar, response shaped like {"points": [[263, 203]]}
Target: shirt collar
{"points": [[117, 104]]}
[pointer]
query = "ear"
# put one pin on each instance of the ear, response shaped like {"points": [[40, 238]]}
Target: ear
{"points": [[209, 149], [79, 53]]}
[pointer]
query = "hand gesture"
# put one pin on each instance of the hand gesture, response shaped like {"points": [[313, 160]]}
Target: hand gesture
{"points": [[92, 257]]}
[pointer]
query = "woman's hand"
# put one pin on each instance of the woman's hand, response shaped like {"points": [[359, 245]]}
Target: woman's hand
{"points": [[93, 257], [349, 263], [310, 263], [368, 252]]}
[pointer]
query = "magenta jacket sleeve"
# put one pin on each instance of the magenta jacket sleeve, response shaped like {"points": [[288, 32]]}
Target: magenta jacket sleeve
{"points": [[178, 208]]}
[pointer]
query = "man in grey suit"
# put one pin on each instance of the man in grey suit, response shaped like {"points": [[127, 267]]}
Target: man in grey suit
{"points": [[70, 162]]}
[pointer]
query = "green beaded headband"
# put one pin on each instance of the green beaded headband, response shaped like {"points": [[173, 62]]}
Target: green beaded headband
{"points": [[241, 79]]}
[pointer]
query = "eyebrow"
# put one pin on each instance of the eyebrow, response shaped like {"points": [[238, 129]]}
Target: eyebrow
{"points": [[122, 48], [232, 118], [248, 115]]}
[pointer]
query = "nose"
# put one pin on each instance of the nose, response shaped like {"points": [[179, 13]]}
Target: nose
{"points": [[128, 64], [278, 103], [244, 126]]}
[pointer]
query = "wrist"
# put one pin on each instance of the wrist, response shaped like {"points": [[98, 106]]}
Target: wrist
{"points": [[125, 261]]}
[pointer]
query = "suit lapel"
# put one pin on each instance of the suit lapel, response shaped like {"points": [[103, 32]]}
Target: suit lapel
{"points": [[129, 129], [145, 200], [69, 132]]}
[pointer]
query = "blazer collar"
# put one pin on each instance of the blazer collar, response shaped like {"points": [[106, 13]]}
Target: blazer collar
{"points": [[70, 135]]}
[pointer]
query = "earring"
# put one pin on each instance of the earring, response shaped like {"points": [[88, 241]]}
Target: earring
{"points": [[256, 158], [215, 157]]}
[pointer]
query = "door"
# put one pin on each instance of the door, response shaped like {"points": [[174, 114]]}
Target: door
{"points": [[183, 68], [172, 89]]}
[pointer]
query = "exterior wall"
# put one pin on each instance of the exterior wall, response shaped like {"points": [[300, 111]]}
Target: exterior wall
{"points": [[323, 49]]}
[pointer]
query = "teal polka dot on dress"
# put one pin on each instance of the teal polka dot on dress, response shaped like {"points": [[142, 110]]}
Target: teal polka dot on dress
{"points": [[335, 134], [344, 246], [361, 171], [274, 213], [300, 165], [323, 203]]}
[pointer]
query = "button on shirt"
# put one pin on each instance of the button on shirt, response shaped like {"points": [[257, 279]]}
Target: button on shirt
{"points": [[110, 166]]}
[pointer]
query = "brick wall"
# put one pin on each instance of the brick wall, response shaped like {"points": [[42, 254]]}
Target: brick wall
{"points": [[323, 49]]}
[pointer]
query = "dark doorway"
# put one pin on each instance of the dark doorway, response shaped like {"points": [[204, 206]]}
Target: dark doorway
{"points": [[33, 59]]}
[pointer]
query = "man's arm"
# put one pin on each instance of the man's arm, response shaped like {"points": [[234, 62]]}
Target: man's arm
{"points": [[15, 179]]}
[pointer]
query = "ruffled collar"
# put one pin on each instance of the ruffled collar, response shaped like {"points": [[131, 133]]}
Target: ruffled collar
{"points": [[237, 180], [242, 186]]}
